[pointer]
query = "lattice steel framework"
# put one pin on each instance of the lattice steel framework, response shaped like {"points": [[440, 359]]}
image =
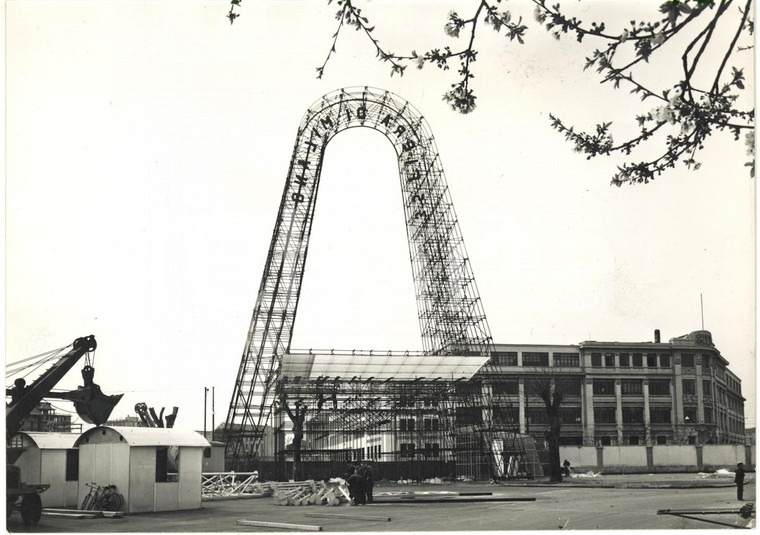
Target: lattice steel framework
{"points": [[450, 312]]}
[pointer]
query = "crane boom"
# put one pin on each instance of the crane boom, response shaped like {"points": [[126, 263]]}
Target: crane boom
{"points": [[91, 404]]}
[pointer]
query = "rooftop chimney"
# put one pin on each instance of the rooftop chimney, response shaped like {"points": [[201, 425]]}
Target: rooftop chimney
{"points": [[657, 336]]}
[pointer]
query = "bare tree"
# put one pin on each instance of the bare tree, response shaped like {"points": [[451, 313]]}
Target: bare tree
{"points": [[297, 414], [552, 390]]}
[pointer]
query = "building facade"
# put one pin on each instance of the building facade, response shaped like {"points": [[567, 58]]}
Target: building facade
{"points": [[45, 418], [620, 393]]}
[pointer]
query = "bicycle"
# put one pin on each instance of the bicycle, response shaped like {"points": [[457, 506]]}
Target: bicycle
{"points": [[102, 498]]}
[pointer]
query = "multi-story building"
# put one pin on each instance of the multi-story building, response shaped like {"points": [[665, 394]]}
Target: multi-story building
{"points": [[393, 408], [624, 393], [45, 418], [127, 421]]}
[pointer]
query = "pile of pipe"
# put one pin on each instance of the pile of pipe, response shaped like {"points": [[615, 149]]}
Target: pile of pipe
{"points": [[309, 492]]}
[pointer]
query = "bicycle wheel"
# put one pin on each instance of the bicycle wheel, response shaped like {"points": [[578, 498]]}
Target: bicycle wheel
{"points": [[111, 502]]}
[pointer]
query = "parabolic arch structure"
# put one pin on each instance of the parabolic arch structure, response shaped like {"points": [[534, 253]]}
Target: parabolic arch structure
{"points": [[451, 316]]}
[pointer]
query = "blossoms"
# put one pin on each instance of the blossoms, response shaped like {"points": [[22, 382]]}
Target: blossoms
{"points": [[749, 142], [454, 25]]}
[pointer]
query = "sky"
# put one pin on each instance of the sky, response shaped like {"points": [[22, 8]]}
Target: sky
{"points": [[147, 145]]}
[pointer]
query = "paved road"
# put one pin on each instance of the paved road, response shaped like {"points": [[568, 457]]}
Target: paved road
{"points": [[555, 507]]}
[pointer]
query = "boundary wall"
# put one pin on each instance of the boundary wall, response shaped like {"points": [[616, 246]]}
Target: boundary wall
{"points": [[647, 459]]}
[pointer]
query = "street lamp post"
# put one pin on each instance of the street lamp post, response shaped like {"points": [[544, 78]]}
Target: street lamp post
{"points": [[205, 410]]}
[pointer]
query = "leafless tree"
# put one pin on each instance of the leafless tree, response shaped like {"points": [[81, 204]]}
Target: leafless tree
{"points": [[552, 389]]}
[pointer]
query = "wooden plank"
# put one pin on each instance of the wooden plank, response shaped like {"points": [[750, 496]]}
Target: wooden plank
{"points": [[447, 499], [67, 515], [698, 512], [280, 525], [63, 510], [352, 517], [52, 511]]}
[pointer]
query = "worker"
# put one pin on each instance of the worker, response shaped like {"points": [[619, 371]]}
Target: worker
{"points": [[566, 468], [350, 469], [739, 480], [365, 470], [356, 491]]}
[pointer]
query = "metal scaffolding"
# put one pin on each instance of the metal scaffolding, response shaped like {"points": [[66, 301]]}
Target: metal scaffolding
{"points": [[451, 316]]}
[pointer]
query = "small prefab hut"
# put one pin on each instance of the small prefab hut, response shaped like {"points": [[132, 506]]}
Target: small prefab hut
{"points": [[154, 469], [51, 459], [213, 457]]}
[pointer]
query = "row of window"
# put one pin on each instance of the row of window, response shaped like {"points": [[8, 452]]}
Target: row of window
{"points": [[630, 360], [631, 440], [733, 385], [536, 358], [607, 360], [632, 387], [373, 452], [409, 449], [571, 386], [628, 387], [608, 415], [688, 360], [632, 415], [572, 415], [408, 424]]}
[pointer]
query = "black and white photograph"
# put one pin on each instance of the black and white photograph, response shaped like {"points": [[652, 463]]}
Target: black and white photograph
{"points": [[379, 265]]}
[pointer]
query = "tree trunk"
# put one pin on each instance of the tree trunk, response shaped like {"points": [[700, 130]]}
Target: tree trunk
{"points": [[555, 425], [297, 440]]}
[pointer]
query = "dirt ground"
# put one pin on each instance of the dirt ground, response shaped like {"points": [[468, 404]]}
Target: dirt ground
{"points": [[608, 502]]}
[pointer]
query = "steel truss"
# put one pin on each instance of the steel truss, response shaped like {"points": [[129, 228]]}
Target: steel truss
{"points": [[451, 316]]}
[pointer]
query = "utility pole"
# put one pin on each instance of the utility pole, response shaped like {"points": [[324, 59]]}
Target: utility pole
{"points": [[702, 311], [213, 425], [205, 410]]}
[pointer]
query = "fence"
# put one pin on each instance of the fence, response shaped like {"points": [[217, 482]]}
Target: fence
{"points": [[644, 459]]}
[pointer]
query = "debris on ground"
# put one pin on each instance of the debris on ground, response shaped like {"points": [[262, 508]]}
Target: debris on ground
{"points": [[231, 485], [311, 492], [587, 475], [718, 474]]}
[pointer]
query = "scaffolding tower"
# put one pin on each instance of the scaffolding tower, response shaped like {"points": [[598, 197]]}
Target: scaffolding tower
{"points": [[451, 317]]}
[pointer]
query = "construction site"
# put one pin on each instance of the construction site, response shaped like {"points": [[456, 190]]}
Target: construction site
{"points": [[304, 416], [349, 407], [300, 421]]}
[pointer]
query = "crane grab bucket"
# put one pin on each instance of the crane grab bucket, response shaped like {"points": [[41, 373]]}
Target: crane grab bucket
{"points": [[98, 407], [92, 405]]}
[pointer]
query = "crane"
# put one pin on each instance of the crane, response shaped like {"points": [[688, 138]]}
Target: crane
{"points": [[92, 405]]}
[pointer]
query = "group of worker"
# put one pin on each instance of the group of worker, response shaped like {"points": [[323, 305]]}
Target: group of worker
{"points": [[360, 480]]}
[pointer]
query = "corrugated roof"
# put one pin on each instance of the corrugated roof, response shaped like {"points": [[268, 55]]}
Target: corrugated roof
{"points": [[153, 436], [309, 366], [52, 441]]}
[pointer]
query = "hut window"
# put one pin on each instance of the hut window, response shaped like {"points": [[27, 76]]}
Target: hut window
{"points": [[167, 464], [206, 453], [72, 465], [162, 464]]}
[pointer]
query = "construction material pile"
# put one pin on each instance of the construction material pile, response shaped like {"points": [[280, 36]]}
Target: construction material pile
{"points": [[310, 492], [231, 485]]}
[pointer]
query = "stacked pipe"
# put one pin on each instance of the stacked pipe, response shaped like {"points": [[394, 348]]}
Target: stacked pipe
{"points": [[307, 493]]}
